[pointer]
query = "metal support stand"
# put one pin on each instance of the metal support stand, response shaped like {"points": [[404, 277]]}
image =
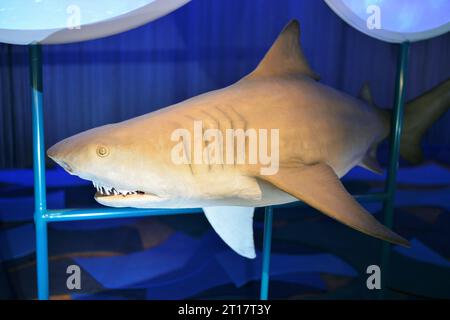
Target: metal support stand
{"points": [[40, 200], [265, 275], [394, 151], [43, 216]]}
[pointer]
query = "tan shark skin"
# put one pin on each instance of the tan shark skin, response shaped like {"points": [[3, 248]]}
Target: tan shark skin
{"points": [[420, 114], [323, 134]]}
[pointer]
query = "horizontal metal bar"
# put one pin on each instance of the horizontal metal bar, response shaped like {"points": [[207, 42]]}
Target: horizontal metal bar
{"points": [[113, 213]]}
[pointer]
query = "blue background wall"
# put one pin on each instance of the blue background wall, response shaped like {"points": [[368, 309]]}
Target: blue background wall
{"points": [[205, 45]]}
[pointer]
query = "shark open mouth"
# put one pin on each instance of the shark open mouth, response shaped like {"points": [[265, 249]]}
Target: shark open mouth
{"points": [[105, 191]]}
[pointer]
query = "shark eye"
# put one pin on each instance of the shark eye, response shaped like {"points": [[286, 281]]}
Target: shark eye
{"points": [[102, 151]]}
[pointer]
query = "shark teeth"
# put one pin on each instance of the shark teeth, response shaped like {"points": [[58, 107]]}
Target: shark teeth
{"points": [[108, 191]]}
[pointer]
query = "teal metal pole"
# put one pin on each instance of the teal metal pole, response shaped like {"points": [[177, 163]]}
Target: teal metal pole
{"points": [[265, 275], [112, 213], [40, 203], [396, 129]]}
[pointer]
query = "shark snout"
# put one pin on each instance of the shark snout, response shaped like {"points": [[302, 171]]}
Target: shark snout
{"points": [[59, 150], [53, 152], [60, 153], [66, 166], [84, 154]]}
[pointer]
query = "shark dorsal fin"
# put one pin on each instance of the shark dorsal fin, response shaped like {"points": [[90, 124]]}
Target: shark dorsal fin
{"points": [[285, 57]]}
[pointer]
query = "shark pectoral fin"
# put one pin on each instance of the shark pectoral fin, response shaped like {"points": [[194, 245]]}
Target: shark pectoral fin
{"points": [[319, 186], [235, 226]]}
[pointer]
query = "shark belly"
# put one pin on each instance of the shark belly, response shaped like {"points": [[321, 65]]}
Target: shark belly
{"points": [[226, 189]]}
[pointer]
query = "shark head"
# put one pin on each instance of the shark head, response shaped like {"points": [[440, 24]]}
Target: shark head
{"points": [[107, 154]]}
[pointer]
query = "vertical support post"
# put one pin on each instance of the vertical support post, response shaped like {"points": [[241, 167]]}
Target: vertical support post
{"points": [[40, 202], [265, 275], [394, 151]]}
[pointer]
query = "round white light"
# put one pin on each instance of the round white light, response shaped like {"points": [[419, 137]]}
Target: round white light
{"points": [[63, 21], [395, 20]]}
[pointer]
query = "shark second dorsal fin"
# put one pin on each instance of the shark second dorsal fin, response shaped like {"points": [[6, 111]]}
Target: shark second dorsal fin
{"points": [[285, 57]]}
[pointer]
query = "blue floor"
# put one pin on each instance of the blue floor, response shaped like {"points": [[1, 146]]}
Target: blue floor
{"points": [[180, 257]]}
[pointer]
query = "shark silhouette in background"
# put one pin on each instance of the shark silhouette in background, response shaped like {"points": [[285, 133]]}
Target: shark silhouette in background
{"points": [[323, 133]]}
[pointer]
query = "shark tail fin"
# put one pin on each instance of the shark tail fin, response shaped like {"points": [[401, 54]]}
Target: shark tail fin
{"points": [[420, 114]]}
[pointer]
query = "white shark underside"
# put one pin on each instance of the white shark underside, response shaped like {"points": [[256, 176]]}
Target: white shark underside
{"points": [[323, 133]]}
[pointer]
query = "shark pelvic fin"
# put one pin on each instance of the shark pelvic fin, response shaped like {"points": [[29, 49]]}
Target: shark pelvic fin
{"points": [[370, 161], [285, 57], [235, 226], [319, 186]]}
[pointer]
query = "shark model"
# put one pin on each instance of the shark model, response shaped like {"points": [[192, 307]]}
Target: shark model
{"points": [[323, 133]]}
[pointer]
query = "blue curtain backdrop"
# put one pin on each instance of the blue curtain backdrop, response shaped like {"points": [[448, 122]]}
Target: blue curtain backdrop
{"points": [[205, 45]]}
